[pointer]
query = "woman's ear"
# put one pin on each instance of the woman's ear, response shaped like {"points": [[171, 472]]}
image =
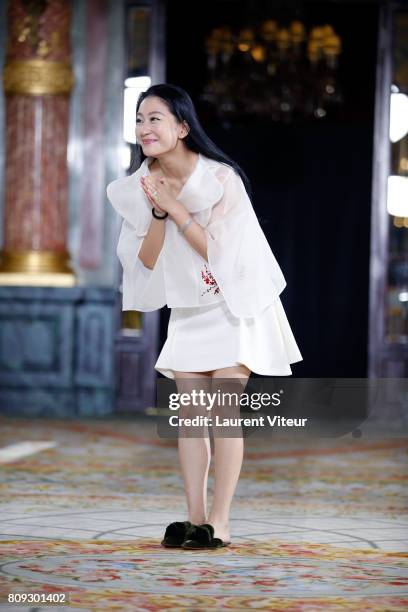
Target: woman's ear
{"points": [[185, 130]]}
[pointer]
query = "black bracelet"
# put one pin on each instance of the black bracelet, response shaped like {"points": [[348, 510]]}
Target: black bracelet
{"points": [[156, 216]]}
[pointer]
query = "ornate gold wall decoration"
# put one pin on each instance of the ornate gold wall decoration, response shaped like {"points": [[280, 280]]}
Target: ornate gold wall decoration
{"points": [[37, 77]]}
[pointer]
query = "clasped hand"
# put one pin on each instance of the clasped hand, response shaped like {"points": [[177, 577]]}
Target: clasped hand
{"points": [[158, 193]]}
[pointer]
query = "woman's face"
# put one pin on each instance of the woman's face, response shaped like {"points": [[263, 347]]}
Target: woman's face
{"points": [[157, 130]]}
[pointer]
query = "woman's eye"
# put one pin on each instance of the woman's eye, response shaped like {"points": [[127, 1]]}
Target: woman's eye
{"points": [[139, 120], [152, 119]]}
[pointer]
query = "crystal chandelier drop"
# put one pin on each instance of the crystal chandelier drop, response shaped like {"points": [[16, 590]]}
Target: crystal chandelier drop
{"points": [[273, 72]]}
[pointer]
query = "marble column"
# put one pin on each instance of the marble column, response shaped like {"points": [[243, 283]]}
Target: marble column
{"points": [[37, 82]]}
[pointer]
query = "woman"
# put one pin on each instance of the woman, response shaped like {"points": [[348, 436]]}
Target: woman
{"points": [[190, 239]]}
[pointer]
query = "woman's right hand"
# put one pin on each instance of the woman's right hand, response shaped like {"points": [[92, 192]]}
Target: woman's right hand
{"points": [[147, 188]]}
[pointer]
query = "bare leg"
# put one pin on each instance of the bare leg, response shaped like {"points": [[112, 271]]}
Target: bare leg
{"points": [[227, 460], [194, 452]]}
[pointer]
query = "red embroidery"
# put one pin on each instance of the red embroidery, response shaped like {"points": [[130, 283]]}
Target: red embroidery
{"points": [[209, 280]]}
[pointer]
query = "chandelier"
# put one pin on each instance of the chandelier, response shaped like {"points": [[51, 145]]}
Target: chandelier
{"points": [[272, 72]]}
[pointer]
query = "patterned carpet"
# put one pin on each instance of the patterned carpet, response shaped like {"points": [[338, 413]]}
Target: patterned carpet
{"points": [[318, 525]]}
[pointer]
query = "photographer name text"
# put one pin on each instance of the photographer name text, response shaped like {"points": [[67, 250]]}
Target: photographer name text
{"points": [[201, 421]]}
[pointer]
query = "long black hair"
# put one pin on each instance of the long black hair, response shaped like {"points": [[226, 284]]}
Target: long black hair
{"points": [[181, 106]]}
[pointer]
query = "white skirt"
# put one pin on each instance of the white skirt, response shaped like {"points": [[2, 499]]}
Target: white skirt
{"points": [[204, 338]]}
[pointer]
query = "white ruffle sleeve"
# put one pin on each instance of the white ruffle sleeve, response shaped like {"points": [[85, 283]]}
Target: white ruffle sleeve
{"points": [[239, 255], [142, 288]]}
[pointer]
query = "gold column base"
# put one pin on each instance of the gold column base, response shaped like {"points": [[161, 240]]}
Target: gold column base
{"points": [[36, 268]]}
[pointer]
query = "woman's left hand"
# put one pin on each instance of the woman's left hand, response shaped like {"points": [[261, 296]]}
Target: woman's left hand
{"points": [[158, 192]]}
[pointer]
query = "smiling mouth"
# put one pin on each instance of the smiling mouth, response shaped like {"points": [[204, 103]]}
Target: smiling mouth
{"points": [[148, 141]]}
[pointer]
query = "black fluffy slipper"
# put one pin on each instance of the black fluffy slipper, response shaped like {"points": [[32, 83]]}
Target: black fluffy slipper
{"points": [[202, 536], [175, 534]]}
